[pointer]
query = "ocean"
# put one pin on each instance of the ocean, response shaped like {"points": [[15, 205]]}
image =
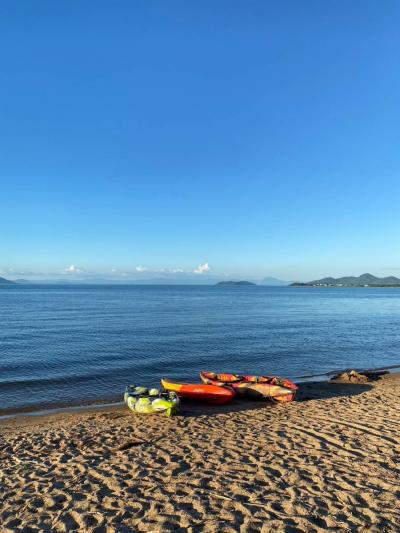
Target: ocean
{"points": [[76, 344]]}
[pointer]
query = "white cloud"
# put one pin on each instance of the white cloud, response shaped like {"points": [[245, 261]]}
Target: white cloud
{"points": [[202, 269], [72, 269], [141, 268]]}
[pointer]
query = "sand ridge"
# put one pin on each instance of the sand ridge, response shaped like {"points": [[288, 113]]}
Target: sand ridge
{"points": [[328, 462]]}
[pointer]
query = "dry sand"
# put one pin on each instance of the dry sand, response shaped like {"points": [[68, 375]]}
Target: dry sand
{"points": [[327, 462]]}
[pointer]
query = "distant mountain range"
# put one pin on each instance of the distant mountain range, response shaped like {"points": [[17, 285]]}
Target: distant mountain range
{"points": [[181, 279], [5, 281], [274, 281], [365, 280], [233, 283]]}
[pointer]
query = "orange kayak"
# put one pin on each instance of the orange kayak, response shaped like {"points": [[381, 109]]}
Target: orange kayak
{"points": [[200, 392], [256, 387]]}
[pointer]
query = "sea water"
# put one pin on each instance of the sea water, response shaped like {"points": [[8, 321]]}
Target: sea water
{"points": [[63, 345]]}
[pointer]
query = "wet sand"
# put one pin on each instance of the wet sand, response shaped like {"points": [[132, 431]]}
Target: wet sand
{"points": [[327, 462]]}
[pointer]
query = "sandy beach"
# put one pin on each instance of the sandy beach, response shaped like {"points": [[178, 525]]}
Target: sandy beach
{"points": [[328, 462]]}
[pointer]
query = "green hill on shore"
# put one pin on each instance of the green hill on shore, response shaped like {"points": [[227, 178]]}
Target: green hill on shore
{"points": [[365, 280]]}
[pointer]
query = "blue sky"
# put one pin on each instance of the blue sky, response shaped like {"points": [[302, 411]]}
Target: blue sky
{"points": [[260, 138]]}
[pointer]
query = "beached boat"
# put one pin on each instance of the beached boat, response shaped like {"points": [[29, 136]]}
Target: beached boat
{"points": [[257, 387], [200, 392], [144, 401]]}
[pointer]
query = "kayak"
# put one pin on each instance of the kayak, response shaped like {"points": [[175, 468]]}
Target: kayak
{"points": [[151, 401], [200, 392], [256, 387]]}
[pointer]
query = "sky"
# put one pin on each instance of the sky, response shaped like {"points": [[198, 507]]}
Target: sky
{"points": [[213, 138]]}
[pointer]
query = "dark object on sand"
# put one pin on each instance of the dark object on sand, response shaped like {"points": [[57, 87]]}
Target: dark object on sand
{"points": [[351, 377], [361, 377]]}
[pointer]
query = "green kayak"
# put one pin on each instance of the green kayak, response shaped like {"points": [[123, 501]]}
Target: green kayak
{"points": [[151, 401]]}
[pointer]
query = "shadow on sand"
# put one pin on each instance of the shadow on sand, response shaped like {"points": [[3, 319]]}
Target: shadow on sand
{"points": [[327, 389], [307, 391]]}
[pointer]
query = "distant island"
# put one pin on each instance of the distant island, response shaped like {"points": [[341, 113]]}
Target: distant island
{"points": [[233, 283], [274, 282], [5, 281], [365, 280]]}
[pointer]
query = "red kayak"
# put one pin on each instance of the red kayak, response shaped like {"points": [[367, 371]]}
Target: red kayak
{"points": [[200, 392], [256, 387]]}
